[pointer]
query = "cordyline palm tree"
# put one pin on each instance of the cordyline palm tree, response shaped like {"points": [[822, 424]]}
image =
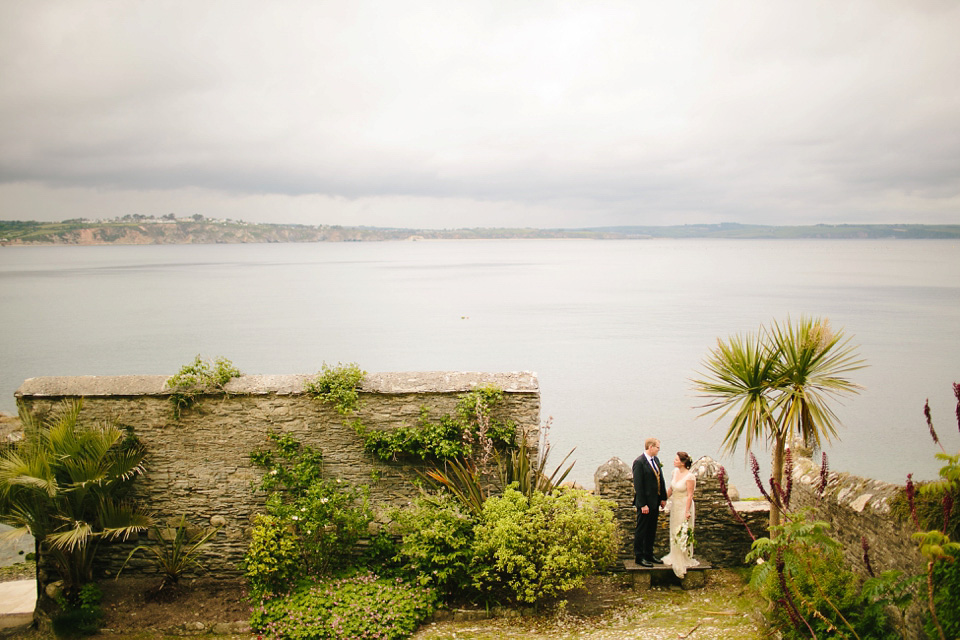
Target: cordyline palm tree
{"points": [[776, 385], [65, 483]]}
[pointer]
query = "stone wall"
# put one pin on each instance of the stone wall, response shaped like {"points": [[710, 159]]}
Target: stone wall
{"points": [[858, 508], [720, 539], [199, 465]]}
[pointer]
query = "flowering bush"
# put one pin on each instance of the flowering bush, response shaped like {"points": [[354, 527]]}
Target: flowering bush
{"points": [[316, 520], [528, 548], [362, 606]]}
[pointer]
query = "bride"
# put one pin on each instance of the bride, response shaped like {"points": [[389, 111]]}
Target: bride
{"points": [[682, 512]]}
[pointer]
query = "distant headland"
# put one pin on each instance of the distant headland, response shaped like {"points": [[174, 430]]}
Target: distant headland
{"points": [[169, 229]]}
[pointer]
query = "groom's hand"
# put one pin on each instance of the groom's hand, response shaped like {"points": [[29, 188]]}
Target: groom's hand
{"points": [[663, 503], [645, 509]]}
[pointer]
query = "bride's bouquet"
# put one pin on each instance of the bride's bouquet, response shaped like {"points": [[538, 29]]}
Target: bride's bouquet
{"points": [[684, 538]]}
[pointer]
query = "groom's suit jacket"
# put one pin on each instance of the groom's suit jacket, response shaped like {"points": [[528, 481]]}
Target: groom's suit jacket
{"points": [[648, 489]]}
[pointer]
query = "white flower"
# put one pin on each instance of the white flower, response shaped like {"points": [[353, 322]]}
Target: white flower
{"points": [[273, 472], [324, 500], [294, 517], [303, 508]]}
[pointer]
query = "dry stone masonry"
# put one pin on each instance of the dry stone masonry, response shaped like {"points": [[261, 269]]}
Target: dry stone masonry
{"points": [[199, 465]]}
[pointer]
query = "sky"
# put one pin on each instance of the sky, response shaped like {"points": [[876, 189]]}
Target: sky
{"points": [[516, 113]]}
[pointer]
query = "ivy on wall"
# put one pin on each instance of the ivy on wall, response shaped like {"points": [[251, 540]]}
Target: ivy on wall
{"points": [[469, 432]]}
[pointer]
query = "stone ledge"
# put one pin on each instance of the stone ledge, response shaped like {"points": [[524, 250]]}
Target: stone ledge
{"points": [[384, 383]]}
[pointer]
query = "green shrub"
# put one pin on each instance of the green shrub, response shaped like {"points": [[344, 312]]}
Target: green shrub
{"points": [[337, 386], [324, 518], [363, 606], [527, 549], [272, 562], [436, 540]]}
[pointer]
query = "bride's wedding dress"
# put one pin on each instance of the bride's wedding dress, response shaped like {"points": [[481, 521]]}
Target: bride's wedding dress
{"points": [[680, 558]]}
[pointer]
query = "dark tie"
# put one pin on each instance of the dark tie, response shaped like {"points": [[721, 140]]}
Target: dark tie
{"points": [[656, 468]]}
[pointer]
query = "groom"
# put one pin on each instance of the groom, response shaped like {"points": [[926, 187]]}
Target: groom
{"points": [[650, 495]]}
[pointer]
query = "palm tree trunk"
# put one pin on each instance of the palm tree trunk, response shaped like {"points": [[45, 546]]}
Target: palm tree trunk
{"points": [[778, 451]]}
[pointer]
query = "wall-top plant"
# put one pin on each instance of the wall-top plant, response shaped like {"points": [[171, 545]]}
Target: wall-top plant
{"points": [[337, 386], [200, 377]]}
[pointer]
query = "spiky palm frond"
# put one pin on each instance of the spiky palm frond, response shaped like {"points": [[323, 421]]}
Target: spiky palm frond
{"points": [[71, 536], [463, 480], [741, 376], [813, 365], [121, 519], [62, 483]]}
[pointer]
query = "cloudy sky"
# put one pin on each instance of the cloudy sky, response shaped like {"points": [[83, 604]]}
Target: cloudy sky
{"points": [[482, 113]]}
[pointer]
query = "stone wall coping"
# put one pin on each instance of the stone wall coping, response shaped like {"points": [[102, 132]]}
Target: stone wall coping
{"points": [[751, 506], [291, 384]]}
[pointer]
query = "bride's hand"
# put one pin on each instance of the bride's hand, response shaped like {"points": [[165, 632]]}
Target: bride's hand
{"points": [[686, 516]]}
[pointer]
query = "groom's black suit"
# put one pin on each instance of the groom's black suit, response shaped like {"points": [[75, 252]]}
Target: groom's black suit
{"points": [[649, 490]]}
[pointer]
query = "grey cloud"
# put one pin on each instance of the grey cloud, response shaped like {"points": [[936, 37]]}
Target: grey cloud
{"points": [[749, 111]]}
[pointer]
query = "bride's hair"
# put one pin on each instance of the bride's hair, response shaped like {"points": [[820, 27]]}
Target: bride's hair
{"points": [[685, 458]]}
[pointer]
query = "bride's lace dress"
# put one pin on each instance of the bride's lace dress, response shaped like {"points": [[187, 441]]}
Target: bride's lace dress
{"points": [[680, 558]]}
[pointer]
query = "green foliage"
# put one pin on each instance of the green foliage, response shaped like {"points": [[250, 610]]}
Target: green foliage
{"points": [[464, 481], [65, 483], [892, 589], [338, 386], [362, 606], [946, 584], [175, 556], [324, 518], [515, 467], [472, 432], [198, 378], [929, 509], [80, 613], [804, 576], [436, 544], [527, 549]]}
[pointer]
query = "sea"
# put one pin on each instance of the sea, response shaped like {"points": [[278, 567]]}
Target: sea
{"points": [[614, 329]]}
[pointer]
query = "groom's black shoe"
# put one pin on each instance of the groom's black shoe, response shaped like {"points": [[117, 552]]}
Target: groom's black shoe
{"points": [[644, 563], [654, 561]]}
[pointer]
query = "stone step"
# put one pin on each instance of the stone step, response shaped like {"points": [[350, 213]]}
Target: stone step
{"points": [[631, 565], [646, 577]]}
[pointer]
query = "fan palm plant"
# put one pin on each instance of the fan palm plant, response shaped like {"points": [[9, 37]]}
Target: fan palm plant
{"points": [[65, 483], [776, 385]]}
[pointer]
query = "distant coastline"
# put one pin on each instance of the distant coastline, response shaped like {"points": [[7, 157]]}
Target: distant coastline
{"points": [[144, 230]]}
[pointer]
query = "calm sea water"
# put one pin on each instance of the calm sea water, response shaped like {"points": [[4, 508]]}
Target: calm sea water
{"points": [[614, 329]]}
